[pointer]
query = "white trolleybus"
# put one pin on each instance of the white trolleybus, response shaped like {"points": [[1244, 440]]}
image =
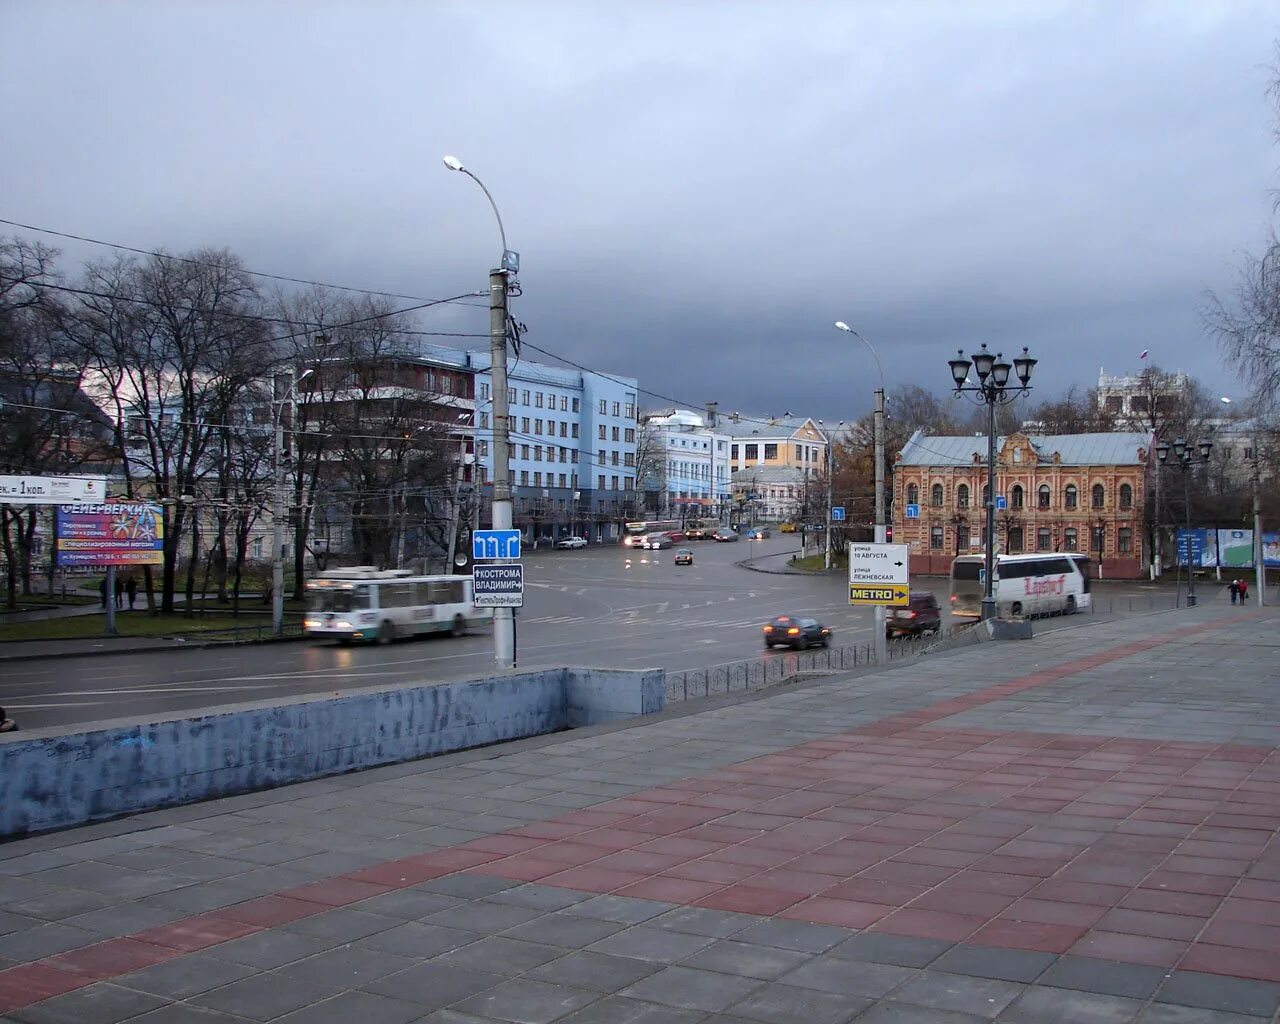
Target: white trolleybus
{"points": [[1024, 585], [365, 603], [635, 534]]}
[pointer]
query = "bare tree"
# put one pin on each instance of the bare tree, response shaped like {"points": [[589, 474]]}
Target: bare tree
{"points": [[1076, 412]]}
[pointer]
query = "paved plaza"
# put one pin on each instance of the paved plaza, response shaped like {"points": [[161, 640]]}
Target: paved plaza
{"points": [[1079, 828]]}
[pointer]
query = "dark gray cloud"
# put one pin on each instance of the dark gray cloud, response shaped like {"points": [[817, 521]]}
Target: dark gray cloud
{"points": [[697, 190]]}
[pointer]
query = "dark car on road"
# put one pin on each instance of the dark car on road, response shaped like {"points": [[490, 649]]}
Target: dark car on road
{"points": [[724, 534], [921, 615], [758, 533], [791, 631]]}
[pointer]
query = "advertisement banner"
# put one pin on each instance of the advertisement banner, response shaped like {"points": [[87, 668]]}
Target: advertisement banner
{"points": [[114, 533], [1203, 547], [1235, 549], [1271, 549], [51, 490]]}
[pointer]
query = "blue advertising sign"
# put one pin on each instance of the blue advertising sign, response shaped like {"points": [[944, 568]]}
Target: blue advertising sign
{"points": [[1271, 549], [1198, 548]]}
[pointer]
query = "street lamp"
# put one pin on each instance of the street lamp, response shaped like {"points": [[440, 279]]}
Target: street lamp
{"points": [[1185, 457], [277, 505], [504, 648], [993, 388], [881, 523]]}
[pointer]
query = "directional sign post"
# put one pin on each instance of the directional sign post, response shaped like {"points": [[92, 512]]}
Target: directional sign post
{"points": [[913, 511], [837, 514], [1002, 503], [879, 574], [489, 544], [498, 586]]}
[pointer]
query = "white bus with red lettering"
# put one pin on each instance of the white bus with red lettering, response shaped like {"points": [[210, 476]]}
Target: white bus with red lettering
{"points": [[1025, 585]]}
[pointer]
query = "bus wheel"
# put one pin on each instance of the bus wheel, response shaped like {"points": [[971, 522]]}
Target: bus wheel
{"points": [[1071, 605], [1016, 608], [459, 626], [386, 632]]}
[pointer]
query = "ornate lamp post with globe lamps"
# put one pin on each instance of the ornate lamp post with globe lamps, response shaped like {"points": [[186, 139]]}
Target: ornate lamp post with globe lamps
{"points": [[1185, 458], [991, 390]]}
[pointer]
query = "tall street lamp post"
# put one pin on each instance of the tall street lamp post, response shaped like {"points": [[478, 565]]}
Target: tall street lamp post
{"points": [[831, 472], [991, 390], [504, 650], [878, 417], [277, 505], [1185, 457]]}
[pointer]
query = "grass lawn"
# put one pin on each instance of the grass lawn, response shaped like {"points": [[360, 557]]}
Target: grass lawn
{"points": [[818, 562], [139, 623], [37, 601]]}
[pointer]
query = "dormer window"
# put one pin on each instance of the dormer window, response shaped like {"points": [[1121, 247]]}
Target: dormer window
{"points": [[1017, 455]]}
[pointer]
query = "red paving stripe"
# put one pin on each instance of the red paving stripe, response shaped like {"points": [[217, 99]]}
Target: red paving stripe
{"points": [[895, 827]]}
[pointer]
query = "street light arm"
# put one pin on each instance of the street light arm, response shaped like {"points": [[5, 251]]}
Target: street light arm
{"points": [[501, 230], [841, 325]]}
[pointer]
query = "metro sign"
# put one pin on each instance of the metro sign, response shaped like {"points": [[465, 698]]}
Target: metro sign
{"points": [[890, 596]]}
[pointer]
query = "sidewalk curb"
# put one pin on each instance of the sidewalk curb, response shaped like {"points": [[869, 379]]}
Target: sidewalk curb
{"points": [[199, 645]]}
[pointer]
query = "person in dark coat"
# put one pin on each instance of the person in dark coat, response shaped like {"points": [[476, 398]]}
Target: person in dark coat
{"points": [[102, 589], [131, 588], [119, 592]]}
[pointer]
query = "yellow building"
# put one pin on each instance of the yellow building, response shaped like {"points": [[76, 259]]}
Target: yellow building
{"points": [[778, 442]]}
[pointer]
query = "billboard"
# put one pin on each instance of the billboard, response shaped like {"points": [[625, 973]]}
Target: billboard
{"points": [[51, 490], [1203, 546], [1235, 548], [1271, 549], [113, 533]]}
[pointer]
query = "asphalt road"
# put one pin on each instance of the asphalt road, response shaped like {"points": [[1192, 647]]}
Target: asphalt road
{"points": [[604, 606]]}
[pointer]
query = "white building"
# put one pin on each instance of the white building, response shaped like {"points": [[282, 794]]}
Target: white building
{"points": [[687, 461]]}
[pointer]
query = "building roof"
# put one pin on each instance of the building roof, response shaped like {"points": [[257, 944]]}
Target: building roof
{"points": [[765, 426], [769, 475], [1104, 449]]}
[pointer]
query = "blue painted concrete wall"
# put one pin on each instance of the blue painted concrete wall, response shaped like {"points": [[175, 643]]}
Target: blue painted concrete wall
{"points": [[54, 778]]}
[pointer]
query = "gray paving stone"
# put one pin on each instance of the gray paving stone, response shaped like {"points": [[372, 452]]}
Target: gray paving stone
{"points": [[44, 940], [719, 924], [527, 1002], [94, 1004], [546, 898], [264, 997], [484, 917], [503, 956], [621, 1010], [594, 971], [989, 962], [184, 1013], [692, 989], [645, 942], [268, 949], [784, 1004], [62, 903], [1043, 1004], [982, 997], [196, 899], [884, 948], [747, 960], [16, 922], [348, 966], [421, 941], [564, 930], [435, 984], [468, 886], [409, 904], [892, 1012], [124, 919], [849, 977], [356, 1006], [1105, 977], [343, 925], [807, 938], [620, 908], [1216, 992], [1165, 1013], [186, 976]]}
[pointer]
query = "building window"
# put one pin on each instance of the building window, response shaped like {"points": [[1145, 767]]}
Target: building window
{"points": [[537, 453], [962, 496], [615, 482], [733, 452], [935, 538], [616, 433], [1124, 540], [936, 495], [574, 430], [484, 391], [631, 410], [564, 428], [913, 494], [537, 479], [482, 447], [770, 451], [799, 453], [524, 478], [1099, 496], [1044, 540], [524, 451], [602, 431], [576, 406], [524, 398], [1100, 539], [615, 457], [524, 424], [604, 409], [1070, 499], [631, 458], [600, 481], [1069, 541], [562, 483], [256, 548], [630, 435], [751, 451], [1016, 496], [484, 421], [1015, 540], [602, 457], [617, 411], [551, 400], [537, 427], [1126, 496], [628, 483], [537, 399], [564, 454], [564, 407], [1043, 494], [1017, 455]]}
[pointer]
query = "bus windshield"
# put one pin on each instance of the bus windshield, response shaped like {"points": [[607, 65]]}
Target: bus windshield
{"points": [[337, 599]]}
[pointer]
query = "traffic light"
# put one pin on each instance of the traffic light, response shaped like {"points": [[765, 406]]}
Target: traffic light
{"points": [[888, 533]]}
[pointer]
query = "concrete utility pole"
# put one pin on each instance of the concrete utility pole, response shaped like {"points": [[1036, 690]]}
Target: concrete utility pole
{"points": [[882, 640], [504, 641], [1259, 565]]}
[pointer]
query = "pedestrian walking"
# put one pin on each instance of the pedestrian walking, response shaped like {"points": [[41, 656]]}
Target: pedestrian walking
{"points": [[119, 592], [1244, 590], [131, 588], [1234, 588], [102, 589]]}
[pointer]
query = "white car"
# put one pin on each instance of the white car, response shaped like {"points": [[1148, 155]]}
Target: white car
{"points": [[568, 543]]}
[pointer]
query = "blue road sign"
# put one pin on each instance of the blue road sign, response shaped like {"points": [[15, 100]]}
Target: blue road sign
{"points": [[1001, 502], [913, 511], [837, 514], [495, 544]]}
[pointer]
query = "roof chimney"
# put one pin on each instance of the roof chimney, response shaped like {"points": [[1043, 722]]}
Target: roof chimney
{"points": [[711, 413]]}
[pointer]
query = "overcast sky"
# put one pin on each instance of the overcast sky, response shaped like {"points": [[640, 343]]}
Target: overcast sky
{"points": [[697, 189]]}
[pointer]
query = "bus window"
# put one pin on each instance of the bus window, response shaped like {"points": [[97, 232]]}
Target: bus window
{"points": [[446, 592]]}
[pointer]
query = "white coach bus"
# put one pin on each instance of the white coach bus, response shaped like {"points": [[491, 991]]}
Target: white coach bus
{"points": [[1025, 585], [365, 603]]}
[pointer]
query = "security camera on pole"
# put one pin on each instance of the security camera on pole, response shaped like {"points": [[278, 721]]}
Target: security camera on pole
{"points": [[504, 650]]}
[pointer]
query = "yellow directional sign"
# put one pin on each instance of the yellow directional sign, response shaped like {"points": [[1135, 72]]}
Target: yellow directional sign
{"points": [[893, 596]]}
